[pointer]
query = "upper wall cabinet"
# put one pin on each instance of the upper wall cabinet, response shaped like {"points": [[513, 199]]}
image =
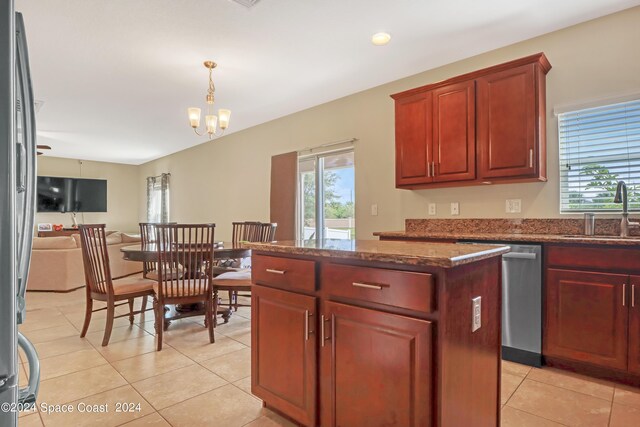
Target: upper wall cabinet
{"points": [[483, 127], [413, 124]]}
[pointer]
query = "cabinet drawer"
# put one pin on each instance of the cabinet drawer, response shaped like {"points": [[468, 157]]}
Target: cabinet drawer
{"points": [[283, 272], [606, 258], [402, 289]]}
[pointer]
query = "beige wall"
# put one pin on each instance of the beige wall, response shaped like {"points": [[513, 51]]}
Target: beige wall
{"points": [[122, 191], [228, 179]]}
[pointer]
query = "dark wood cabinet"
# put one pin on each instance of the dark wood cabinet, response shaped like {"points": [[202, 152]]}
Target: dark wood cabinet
{"points": [[508, 128], [453, 147], [376, 368], [483, 127], [284, 360], [390, 344], [435, 136], [413, 133], [587, 317], [634, 325]]}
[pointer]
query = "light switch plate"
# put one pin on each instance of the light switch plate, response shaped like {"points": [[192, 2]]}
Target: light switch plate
{"points": [[455, 208], [374, 210], [476, 313], [513, 206], [432, 208]]}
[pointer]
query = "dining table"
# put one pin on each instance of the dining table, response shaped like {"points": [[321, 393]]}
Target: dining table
{"points": [[221, 250]]}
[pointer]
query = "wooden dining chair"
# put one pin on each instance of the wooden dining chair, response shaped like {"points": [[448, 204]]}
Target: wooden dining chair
{"points": [[99, 284], [239, 280], [268, 232], [191, 248], [245, 231], [149, 236]]}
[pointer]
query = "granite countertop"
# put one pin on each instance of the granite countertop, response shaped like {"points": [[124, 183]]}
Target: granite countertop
{"points": [[411, 253], [514, 237]]}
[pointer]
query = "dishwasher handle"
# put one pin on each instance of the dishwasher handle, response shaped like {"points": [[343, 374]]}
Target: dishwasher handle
{"points": [[520, 255]]}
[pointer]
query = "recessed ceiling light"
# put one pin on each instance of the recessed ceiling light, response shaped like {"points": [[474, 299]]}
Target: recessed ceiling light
{"points": [[380, 39]]}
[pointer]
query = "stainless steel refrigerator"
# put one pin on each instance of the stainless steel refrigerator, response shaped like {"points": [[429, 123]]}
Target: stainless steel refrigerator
{"points": [[17, 205]]}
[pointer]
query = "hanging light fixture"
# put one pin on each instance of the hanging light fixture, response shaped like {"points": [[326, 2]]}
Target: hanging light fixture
{"points": [[211, 121]]}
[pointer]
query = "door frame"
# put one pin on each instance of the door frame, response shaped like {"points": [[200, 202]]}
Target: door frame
{"points": [[318, 159]]}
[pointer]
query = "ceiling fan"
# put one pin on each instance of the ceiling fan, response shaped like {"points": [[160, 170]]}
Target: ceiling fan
{"points": [[42, 147]]}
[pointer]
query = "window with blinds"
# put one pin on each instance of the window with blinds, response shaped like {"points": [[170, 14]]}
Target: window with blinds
{"points": [[599, 147]]}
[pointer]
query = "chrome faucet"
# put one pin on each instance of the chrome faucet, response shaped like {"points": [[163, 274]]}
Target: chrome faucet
{"points": [[621, 197]]}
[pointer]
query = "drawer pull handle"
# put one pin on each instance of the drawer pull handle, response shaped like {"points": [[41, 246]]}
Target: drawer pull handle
{"points": [[531, 157], [624, 294], [633, 295], [369, 285], [322, 336], [306, 325], [271, 270]]}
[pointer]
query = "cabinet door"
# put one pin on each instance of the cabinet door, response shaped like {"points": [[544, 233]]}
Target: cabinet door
{"points": [[413, 130], [283, 356], [376, 368], [507, 123], [634, 325], [586, 317], [454, 137]]}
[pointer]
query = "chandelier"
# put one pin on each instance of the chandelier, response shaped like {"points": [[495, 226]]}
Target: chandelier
{"points": [[211, 121]]}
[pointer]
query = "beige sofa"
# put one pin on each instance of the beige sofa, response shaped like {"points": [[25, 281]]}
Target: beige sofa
{"points": [[56, 262]]}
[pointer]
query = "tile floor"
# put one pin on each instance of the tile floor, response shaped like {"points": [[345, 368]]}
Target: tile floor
{"points": [[193, 383]]}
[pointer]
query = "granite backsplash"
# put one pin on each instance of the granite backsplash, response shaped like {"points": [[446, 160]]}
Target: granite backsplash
{"points": [[556, 226]]}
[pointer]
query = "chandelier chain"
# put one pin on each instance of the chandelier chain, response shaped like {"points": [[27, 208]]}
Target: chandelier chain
{"points": [[212, 88]]}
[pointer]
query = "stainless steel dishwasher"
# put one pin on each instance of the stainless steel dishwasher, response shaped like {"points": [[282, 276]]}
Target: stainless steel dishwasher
{"points": [[521, 303]]}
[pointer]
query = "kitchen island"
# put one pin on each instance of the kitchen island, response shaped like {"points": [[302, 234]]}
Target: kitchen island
{"points": [[370, 333]]}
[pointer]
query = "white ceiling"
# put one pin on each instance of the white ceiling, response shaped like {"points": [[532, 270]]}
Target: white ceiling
{"points": [[116, 76]]}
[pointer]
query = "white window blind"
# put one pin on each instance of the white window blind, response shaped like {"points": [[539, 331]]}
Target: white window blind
{"points": [[599, 147]]}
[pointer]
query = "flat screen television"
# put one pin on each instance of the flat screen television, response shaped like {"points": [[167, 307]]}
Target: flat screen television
{"points": [[56, 194]]}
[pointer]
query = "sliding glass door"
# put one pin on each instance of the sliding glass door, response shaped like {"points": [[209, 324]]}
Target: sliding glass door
{"points": [[326, 193]]}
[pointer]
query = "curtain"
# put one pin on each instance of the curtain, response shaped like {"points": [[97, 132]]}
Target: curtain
{"points": [[284, 169], [158, 198]]}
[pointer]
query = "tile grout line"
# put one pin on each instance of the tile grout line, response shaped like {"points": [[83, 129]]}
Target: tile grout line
{"points": [[185, 400], [611, 407], [514, 390], [537, 415], [568, 389], [221, 355]]}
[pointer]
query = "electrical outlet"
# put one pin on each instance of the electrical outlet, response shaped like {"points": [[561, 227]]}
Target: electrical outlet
{"points": [[476, 313], [455, 208], [432, 208], [374, 210], [513, 206]]}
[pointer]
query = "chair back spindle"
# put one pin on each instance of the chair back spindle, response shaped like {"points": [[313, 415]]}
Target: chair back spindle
{"points": [[253, 231], [247, 231], [268, 232], [192, 247], [95, 258]]}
